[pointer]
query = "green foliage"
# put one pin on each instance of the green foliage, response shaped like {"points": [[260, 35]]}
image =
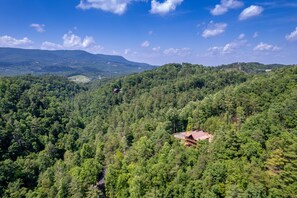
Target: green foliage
{"points": [[33, 118], [60, 140]]}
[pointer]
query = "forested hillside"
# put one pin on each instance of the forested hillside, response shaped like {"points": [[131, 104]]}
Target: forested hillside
{"points": [[59, 139]]}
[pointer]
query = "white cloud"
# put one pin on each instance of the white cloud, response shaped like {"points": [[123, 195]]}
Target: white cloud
{"points": [[165, 7], [156, 49], [292, 36], [214, 29], [51, 46], [150, 32], [215, 50], [251, 11], [73, 42], [241, 36], [177, 52], [226, 49], [256, 34], [127, 51], [266, 47], [219, 10], [38, 27], [120, 6], [114, 52], [114, 6], [229, 47], [226, 5], [8, 41], [221, 50], [145, 44]]}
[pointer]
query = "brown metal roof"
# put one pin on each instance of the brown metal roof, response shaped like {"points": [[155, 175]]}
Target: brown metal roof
{"points": [[197, 135]]}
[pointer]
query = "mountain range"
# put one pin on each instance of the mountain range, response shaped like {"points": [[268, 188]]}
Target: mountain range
{"points": [[15, 61]]}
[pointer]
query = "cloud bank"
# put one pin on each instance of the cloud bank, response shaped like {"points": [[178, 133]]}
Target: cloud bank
{"points": [[8, 41], [74, 42], [120, 6]]}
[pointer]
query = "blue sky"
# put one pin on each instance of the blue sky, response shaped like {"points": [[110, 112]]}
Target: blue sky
{"points": [[209, 32]]}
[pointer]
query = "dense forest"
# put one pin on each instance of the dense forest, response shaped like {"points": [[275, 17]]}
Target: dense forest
{"points": [[61, 139]]}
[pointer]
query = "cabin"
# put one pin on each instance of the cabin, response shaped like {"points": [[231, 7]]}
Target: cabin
{"points": [[191, 138], [116, 90]]}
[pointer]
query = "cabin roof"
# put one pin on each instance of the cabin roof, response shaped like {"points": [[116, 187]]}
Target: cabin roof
{"points": [[197, 135]]}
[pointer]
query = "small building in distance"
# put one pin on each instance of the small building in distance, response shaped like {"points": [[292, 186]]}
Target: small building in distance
{"points": [[116, 90], [190, 138]]}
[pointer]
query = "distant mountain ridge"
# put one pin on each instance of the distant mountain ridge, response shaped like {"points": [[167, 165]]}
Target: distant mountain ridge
{"points": [[14, 61], [251, 67]]}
